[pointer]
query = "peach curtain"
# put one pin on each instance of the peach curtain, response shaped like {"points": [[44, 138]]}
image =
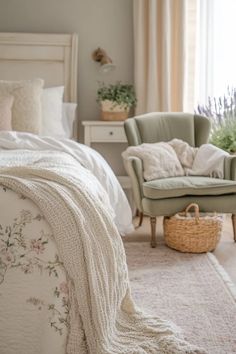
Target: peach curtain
{"points": [[160, 55]]}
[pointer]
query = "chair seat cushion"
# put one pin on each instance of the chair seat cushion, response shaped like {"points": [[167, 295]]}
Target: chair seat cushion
{"points": [[187, 185]]}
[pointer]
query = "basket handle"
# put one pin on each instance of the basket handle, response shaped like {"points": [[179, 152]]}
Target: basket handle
{"points": [[196, 210]]}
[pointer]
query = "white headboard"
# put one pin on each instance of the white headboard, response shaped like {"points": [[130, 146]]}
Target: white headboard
{"points": [[52, 57]]}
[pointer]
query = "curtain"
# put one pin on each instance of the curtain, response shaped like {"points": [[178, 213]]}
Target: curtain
{"points": [[160, 55]]}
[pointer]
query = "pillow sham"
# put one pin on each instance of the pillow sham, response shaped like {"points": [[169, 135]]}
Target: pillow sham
{"points": [[52, 99], [26, 110], [5, 112]]}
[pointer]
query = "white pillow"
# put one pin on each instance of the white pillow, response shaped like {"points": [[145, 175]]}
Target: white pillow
{"points": [[52, 99], [6, 103], [159, 160], [26, 110], [68, 118]]}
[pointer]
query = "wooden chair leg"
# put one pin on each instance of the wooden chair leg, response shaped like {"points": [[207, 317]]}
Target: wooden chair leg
{"points": [[153, 221], [140, 219], [234, 225], [140, 215]]}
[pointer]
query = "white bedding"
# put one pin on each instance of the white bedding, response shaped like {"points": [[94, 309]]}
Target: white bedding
{"points": [[33, 283], [30, 266], [88, 157], [36, 314]]}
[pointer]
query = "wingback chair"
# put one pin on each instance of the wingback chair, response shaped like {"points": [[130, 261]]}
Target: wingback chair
{"points": [[165, 197]]}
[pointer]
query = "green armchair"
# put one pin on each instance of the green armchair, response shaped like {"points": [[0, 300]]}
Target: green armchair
{"points": [[165, 197]]}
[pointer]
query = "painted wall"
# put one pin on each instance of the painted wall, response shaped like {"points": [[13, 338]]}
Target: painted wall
{"points": [[105, 23]]}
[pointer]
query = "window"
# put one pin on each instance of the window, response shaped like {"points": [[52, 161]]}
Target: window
{"points": [[215, 49]]}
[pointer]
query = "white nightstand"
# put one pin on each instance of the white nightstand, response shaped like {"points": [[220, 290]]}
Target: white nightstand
{"points": [[106, 132]]}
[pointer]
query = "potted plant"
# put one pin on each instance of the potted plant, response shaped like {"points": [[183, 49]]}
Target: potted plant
{"points": [[222, 112], [116, 100]]}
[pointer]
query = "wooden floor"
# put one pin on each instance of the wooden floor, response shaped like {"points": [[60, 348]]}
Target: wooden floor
{"points": [[225, 251]]}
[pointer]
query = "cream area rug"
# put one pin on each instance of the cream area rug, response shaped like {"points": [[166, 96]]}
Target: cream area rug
{"points": [[192, 290]]}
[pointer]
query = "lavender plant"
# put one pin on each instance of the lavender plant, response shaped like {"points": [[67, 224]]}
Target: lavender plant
{"points": [[222, 112]]}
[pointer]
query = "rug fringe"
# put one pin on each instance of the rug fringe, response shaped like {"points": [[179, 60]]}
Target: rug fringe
{"points": [[224, 275]]}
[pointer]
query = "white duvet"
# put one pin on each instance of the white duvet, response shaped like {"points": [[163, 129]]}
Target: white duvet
{"points": [[64, 286], [88, 158], [34, 301], [34, 297]]}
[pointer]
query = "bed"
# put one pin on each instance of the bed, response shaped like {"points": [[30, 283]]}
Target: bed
{"points": [[64, 284], [51, 57]]}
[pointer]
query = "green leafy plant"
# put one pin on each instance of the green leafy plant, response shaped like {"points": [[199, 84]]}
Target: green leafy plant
{"points": [[222, 112], [120, 94]]}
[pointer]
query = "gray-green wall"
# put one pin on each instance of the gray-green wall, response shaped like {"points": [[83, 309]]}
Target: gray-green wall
{"points": [[105, 23]]}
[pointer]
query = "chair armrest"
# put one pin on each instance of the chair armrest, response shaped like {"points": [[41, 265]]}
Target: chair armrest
{"points": [[230, 167], [134, 167]]}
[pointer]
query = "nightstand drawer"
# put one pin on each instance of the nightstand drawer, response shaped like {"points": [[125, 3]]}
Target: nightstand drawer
{"points": [[108, 134]]}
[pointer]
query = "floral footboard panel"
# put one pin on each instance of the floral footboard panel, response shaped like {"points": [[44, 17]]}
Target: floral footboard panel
{"points": [[34, 301]]}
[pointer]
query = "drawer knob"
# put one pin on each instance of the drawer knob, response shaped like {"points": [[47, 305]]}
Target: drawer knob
{"points": [[111, 133]]}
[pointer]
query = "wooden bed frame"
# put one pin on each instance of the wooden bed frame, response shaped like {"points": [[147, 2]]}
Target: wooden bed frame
{"points": [[52, 57]]}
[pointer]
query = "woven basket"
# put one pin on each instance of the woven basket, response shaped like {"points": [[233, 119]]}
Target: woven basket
{"points": [[117, 116], [110, 110], [187, 232]]}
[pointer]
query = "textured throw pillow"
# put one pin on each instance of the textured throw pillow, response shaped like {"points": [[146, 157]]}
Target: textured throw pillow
{"points": [[26, 110], [52, 99], [5, 112], [159, 160]]}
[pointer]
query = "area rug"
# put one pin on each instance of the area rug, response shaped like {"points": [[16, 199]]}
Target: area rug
{"points": [[191, 290]]}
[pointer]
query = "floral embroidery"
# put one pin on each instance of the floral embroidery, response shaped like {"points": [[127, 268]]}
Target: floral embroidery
{"points": [[37, 246], [58, 319], [25, 217], [36, 302], [25, 254], [64, 288], [17, 251]]}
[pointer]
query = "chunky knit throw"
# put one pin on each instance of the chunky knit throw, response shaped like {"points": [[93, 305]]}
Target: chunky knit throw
{"points": [[103, 316]]}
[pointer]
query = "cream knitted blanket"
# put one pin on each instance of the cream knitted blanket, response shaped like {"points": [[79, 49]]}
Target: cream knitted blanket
{"points": [[103, 317]]}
